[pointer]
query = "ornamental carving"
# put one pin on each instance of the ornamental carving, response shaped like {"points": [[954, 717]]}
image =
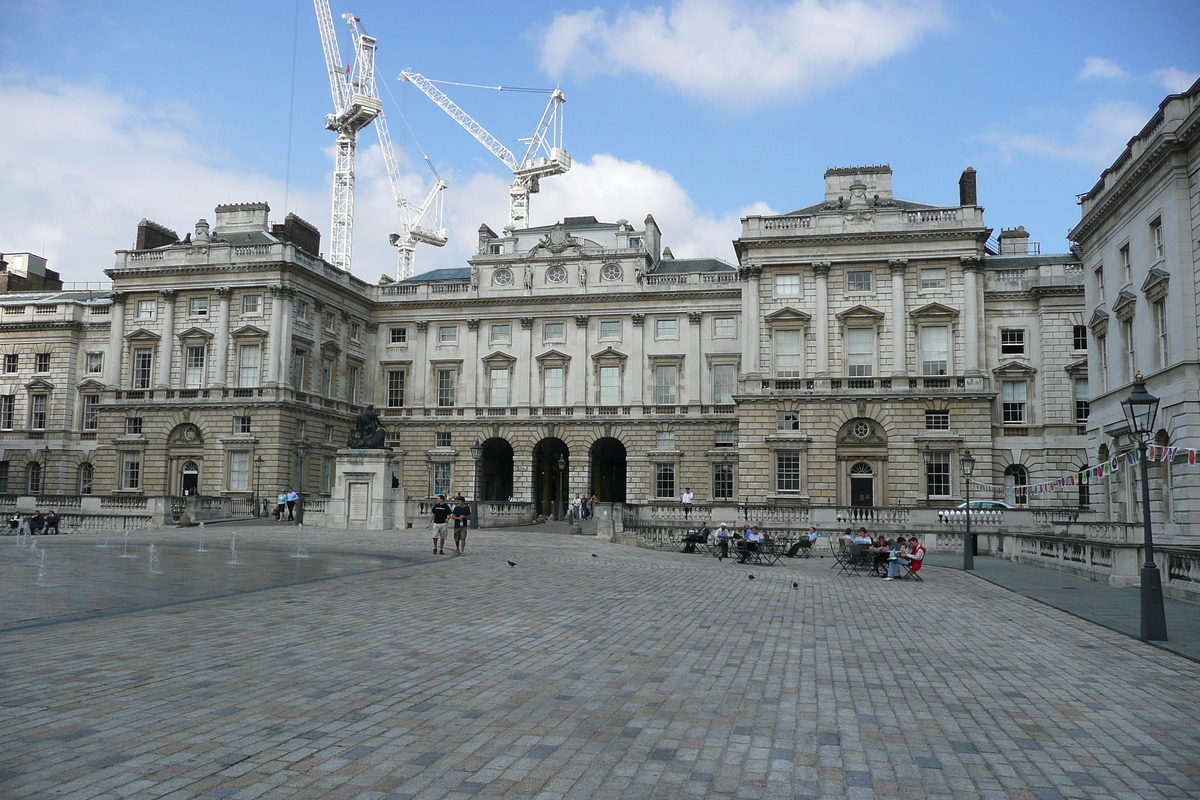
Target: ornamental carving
{"points": [[223, 292], [473, 324], [695, 317], [971, 263], [638, 319], [526, 323], [581, 320], [897, 265], [167, 294], [750, 273], [557, 240], [821, 268], [422, 325]]}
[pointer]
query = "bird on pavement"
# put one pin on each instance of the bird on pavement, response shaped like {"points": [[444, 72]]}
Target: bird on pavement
{"points": [[595, 556], [751, 577], [512, 563], [795, 585]]}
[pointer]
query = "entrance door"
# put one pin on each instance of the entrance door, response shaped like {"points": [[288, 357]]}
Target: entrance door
{"points": [[190, 479], [862, 485]]}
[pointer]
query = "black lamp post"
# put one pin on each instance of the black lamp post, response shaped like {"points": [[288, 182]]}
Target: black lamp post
{"points": [[928, 453], [968, 469], [562, 499], [258, 462], [302, 451], [1140, 409], [45, 469], [477, 455]]}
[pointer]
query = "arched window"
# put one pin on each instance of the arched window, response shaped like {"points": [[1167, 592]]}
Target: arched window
{"points": [[1015, 475], [862, 468], [33, 478], [87, 475]]}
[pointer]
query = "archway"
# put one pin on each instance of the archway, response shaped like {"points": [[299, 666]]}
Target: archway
{"points": [[550, 483], [608, 470], [496, 470], [189, 478], [1016, 475]]}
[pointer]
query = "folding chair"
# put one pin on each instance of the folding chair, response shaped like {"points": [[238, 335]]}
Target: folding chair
{"points": [[840, 553]]}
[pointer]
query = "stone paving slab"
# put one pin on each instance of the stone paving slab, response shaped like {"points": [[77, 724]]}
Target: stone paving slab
{"points": [[628, 674]]}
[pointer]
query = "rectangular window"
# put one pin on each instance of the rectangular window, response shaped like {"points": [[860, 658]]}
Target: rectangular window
{"points": [[1098, 282], [723, 438], [442, 439], [1130, 353], [1012, 342], [935, 350], [666, 440], [610, 330], [787, 285], [448, 334], [858, 280], [327, 475], [248, 365], [239, 471], [133, 426], [724, 327], [1102, 358], [1156, 240], [41, 362], [352, 385], [3, 477], [143, 358], [327, 377], [91, 412], [610, 386], [789, 353], [446, 388], [329, 433], [555, 331], [1083, 407], [664, 480], [787, 472], [241, 425], [1079, 337], [37, 411], [131, 470], [395, 388], [8, 409], [860, 351], [666, 379], [329, 321], [95, 363], [441, 478], [552, 386], [398, 336], [1013, 397], [252, 304], [299, 368], [355, 331], [1160, 322], [198, 307], [933, 278], [301, 429], [937, 474], [194, 377], [666, 328], [724, 383], [937, 420], [502, 333], [787, 420], [1126, 264], [146, 309], [498, 380], [11, 363], [301, 308], [722, 482]]}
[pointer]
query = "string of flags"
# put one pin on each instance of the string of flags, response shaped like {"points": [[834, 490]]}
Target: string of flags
{"points": [[1091, 474]]}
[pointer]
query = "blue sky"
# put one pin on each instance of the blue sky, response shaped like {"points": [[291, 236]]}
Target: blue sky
{"points": [[697, 111]]}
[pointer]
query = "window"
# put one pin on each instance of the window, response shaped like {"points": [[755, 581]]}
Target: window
{"points": [[1012, 342], [448, 334], [1012, 397], [1126, 264], [133, 426], [610, 330], [3, 477], [252, 304], [666, 440], [498, 386], [398, 336], [787, 285], [329, 433], [666, 379], [87, 478], [502, 333], [1127, 338], [1082, 405], [327, 377], [787, 420], [352, 385], [11, 361], [395, 388], [248, 365], [95, 363], [937, 474], [131, 470], [860, 351], [446, 388], [326, 475], [937, 420], [441, 478], [142, 359], [552, 386], [858, 280], [301, 427], [33, 478], [37, 411], [299, 365], [241, 424], [610, 386], [554, 331], [666, 328], [146, 309], [355, 332], [723, 438], [1102, 361], [8, 408], [329, 321], [239, 471], [1016, 482], [725, 327], [1079, 337], [91, 412], [442, 439], [1098, 282], [198, 307], [664, 480], [1156, 239], [724, 383], [789, 353], [194, 377], [933, 278], [1160, 323], [41, 362], [787, 472], [935, 350], [301, 308], [722, 485]]}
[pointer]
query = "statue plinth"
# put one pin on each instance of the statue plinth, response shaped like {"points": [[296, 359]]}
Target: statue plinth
{"points": [[362, 492]]}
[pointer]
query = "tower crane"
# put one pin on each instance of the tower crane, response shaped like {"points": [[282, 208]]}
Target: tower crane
{"points": [[544, 155], [410, 216]]}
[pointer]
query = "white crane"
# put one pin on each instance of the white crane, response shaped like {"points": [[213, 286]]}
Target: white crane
{"points": [[544, 155], [410, 216]]}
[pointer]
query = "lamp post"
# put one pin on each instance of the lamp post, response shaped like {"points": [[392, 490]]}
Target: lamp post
{"points": [[477, 455], [302, 451], [562, 500], [968, 469], [928, 453], [258, 462], [1140, 409], [45, 469]]}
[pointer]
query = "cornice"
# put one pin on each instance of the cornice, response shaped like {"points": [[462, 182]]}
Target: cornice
{"points": [[1127, 183], [642, 299], [42, 326], [979, 234]]}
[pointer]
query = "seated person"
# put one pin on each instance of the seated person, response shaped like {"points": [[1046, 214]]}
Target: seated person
{"points": [[805, 542], [52, 522], [751, 543], [913, 559], [698, 537], [35, 523], [723, 537], [862, 537]]}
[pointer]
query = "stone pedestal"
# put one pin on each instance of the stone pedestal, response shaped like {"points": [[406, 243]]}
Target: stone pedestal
{"points": [[362, 491]]}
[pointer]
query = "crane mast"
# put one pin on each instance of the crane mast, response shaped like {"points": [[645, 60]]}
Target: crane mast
{"points": [[410, 216]]}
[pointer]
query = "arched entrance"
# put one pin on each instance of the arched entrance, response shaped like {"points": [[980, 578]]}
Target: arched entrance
{"points": [[189, 478], [550, 482], [862, 455], [496, 470], [862, 485], [608, 470]]}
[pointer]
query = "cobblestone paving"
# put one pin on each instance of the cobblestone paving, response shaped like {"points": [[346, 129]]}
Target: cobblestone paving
{"points": [[632, 674]]}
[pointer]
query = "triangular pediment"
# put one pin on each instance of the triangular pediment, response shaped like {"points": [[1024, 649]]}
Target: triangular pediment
{"points": [[39, 385], [609, 354], [142, 335], [1156, 284], [788, 314], [1098, 324], [933, 310], [248, 331], [90, 385], [860, 312], [1077, 367], [330, 346], [556, 356], [498, 358], [1014, 368], [195, 333], [1124, 305]]}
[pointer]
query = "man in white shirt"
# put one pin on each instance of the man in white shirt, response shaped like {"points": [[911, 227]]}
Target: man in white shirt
{"points": [[292, 497], [751, 544], [687, 503]]}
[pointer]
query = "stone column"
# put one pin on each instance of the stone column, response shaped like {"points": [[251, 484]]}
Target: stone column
{"points": [[343, 365], [422, 378], [527, 391], [821, 315], [899, 318], [971, 266], [116, 338], [224, 293], [271, 351], [167, 349], [369, 379], [692, 373], [578, 353], [473, 378], [284, 352], [637, 364]]}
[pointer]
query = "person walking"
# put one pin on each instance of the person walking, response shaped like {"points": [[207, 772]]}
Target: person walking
{"points": [[461, 514], [687, 503], [437, 524], [576, 508], [292, 497]]}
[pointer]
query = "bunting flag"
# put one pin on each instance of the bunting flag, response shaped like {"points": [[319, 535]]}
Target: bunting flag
{"points": [[1090, 474]]}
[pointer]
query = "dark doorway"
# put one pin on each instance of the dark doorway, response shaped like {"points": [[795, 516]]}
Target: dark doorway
{"points": [[496, 470], [608, 470], [190, 479], [550, 481], [862, 485]]}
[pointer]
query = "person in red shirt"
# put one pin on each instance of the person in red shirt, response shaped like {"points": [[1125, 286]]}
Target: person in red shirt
{"points": [[914, 559]]}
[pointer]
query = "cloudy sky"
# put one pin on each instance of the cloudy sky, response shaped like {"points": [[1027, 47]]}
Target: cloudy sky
{"points": [[696, 111]]}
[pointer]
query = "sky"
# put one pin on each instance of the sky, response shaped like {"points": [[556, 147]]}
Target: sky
{"points": [[696, 111]]}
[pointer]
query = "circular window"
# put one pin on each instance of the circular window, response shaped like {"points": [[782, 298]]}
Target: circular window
{"points": [[862, 430], [502, 277], [556, 274], [190, 433], [611, 272]]}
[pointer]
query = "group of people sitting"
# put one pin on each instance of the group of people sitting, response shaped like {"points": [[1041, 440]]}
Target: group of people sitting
{"points": [[895, 553], [747, 541], [39, 523]]}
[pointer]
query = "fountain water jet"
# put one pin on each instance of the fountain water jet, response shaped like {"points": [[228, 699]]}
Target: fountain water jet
{"points": [[201, 548], [300, 551], [41, 578], [233, 559], [152, 558], [125, 550]]}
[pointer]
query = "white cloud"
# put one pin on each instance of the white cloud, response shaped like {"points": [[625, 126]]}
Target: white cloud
{"points": [[1096, 67], [1097, 141], [736, 53], [1175, 80]]}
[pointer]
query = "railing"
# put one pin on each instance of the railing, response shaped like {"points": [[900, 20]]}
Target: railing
{"points": [[55, 502], [666, 280], [241, 506], [398, 289], [127, 503], [449, 288], [979, 516], [1183, 572], [718, 277], [315, 505], [936, 215], [875, 515], [252, 250], [786, 223], [821, 385], [151, 256]]}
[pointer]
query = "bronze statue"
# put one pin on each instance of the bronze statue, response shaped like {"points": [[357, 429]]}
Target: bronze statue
{"points": [[369, 433]]}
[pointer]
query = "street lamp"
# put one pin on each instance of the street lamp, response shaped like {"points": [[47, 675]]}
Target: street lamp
{"points": [[562, 499], [968, 469], [1140, 409], [928, 453], [258, 462], [302, 451], [45, 451], [477, 455]]}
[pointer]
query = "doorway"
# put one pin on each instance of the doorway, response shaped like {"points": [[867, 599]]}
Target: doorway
{"points": [[608, 470], [189, 479], [862, 485]]}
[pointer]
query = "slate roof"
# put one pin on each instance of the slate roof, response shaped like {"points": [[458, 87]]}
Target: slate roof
{"points": [[572, 223], [451, 274], [671, 266], [904, 205]]}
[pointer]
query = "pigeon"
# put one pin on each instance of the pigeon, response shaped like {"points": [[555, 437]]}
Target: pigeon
{"points": [[751, 577], [595, 556], [795, 585], [512, 563]]}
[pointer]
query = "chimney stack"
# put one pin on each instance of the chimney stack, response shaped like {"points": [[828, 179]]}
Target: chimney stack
{"points": [[966, 188]]}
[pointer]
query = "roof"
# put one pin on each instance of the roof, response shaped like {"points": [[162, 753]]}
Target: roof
{"points": [[895, 202], [452, 274], [1028, 261], [671, 266], [571, 223]]}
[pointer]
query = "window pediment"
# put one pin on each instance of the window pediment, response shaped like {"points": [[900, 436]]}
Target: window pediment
{"points": [[330, 346], [1079, 367], [553, 358], [142, 335], [195, 334], [861, 314], [788, 314], [91, 384], [1014, 369], [498, 359], [249, 332], [609, 355], [1156, 284], [934, 311], [39, 385], [1098, 324], [1124, 305]]}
